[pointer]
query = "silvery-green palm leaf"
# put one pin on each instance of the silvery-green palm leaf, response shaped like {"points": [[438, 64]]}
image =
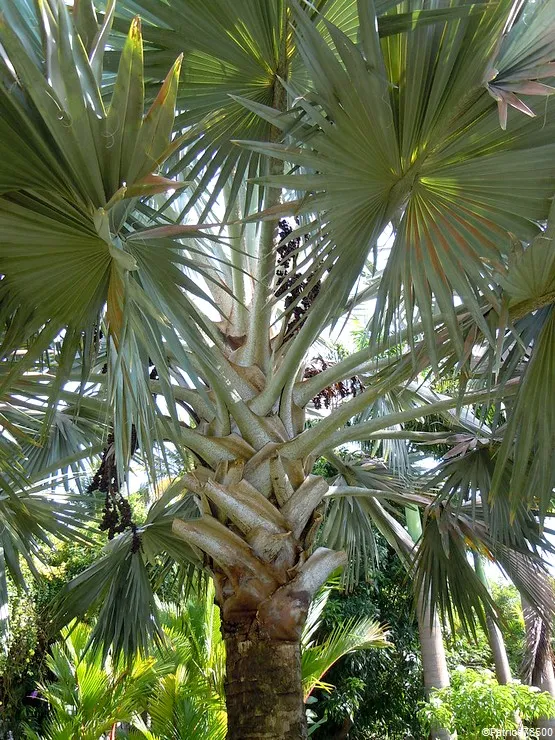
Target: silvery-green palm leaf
{"points": [[39, 473], [404, 130], [74, 165]]}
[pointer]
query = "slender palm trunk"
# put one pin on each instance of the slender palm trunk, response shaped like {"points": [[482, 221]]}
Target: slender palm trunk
{"points": [[495, 637], [499, 652], [547, 683], [434, 662], [263, 687], [539, 670], [497, 643]]}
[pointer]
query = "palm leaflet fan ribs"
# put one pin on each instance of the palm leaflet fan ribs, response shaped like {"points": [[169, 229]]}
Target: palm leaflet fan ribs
{"points": [[145, 285]]}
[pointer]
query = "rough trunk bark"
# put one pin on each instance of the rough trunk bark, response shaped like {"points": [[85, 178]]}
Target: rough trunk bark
{"points": [[263, 687], [266, 573]]}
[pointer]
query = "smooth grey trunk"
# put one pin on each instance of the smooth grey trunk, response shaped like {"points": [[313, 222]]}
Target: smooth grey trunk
{"points": [[432, 648], [540, 672], [547, 683], [497, 643], [434, 663], [495, 636], [499, 652]]}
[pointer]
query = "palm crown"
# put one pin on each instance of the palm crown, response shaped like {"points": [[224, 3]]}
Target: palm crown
{"points": [[147, 291]]}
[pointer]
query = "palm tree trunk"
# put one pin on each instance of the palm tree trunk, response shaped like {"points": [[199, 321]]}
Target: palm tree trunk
{"points": [[263, 686], [265, 575], [434, 662], [499, 652], [538, 669], [497, 643], [547, 683], [495, 637]]}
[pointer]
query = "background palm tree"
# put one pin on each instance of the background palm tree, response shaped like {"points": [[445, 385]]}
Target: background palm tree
{"points": [[181, 319], [495, 636]]}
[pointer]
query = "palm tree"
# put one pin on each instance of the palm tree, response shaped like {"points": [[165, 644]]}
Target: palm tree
{"points": [[144, 286], [537, 668], [432, 648]]}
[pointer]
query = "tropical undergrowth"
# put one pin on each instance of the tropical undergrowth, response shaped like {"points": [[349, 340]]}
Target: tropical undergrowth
{"points": [[475, 702], [177, 690]]}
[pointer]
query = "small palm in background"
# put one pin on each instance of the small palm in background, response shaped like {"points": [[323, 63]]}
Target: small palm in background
{"points": [[178, 692], [88, 698], [187, 698]]}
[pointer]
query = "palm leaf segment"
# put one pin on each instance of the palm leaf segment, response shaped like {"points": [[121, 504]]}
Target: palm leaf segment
{"points": [[33, 470], [70, 263], [465, 515], [460, 514], [525, 59], [404, 128], [88, 157], [228, 51]]}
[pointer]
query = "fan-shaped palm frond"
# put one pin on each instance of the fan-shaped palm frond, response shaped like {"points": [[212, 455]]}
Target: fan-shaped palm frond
{"points": [[30, 521], [227, 52], [530, 435], [79, 281], [357, 492], [122, 580], [418, 135]]}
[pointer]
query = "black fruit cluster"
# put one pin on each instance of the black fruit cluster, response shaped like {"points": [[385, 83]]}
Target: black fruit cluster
{"points": [[116, 513], [291, 285], [334, 392]]}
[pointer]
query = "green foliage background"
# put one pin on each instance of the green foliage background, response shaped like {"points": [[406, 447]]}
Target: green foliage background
{"points": [[475, 702], [22, 665], [377, 690]]}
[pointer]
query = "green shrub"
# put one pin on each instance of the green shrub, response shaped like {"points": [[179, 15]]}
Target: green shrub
{"points": [[180, 686], [475, 701], [20, 664]]}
